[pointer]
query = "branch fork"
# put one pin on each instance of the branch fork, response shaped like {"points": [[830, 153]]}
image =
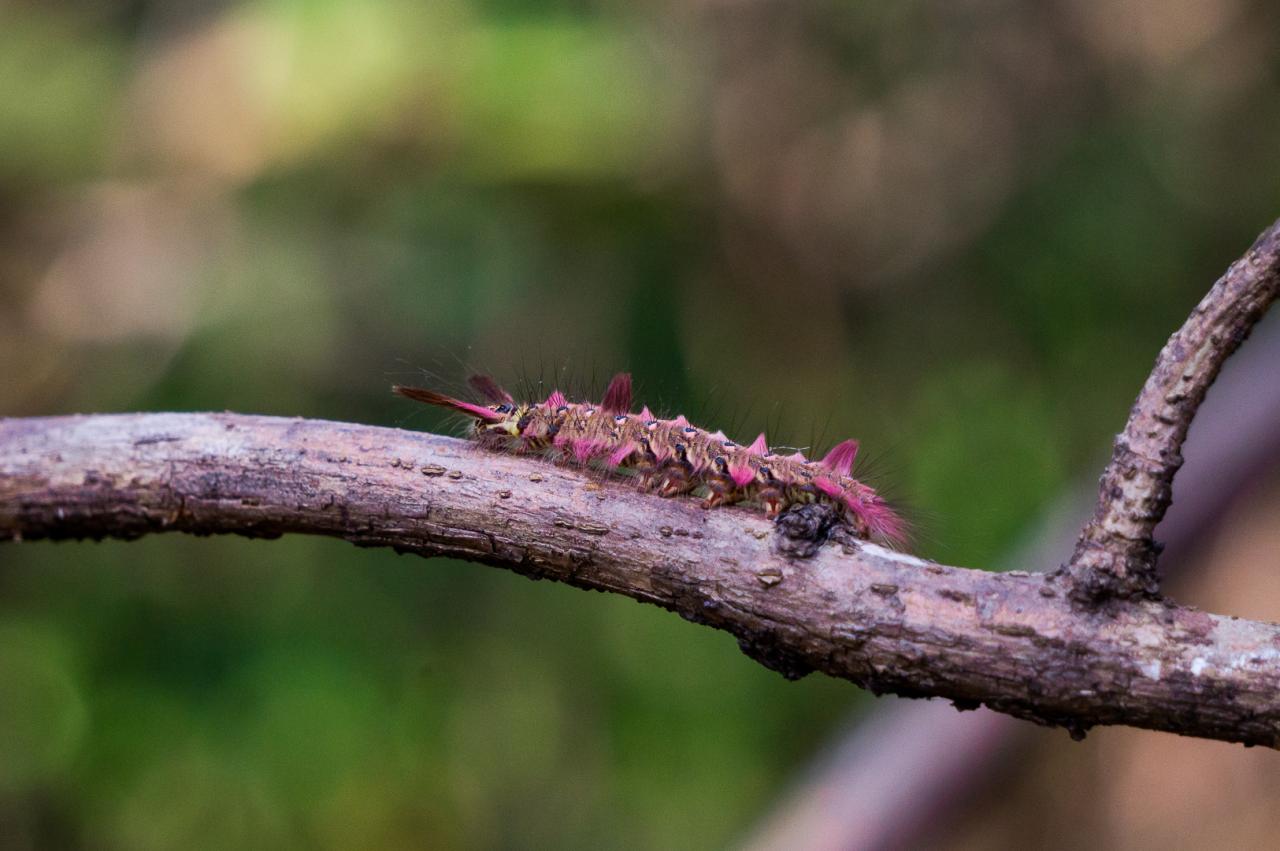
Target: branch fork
{"points": [[1115, 556]]}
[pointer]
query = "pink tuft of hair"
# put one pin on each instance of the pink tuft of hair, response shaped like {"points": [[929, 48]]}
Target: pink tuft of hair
{"points": [[882, 521], [741, 474], [840, 459], [759, 447], [646, 414], [586, 448], [828, 487], [622, 453], [556, 400], [617, 398]]}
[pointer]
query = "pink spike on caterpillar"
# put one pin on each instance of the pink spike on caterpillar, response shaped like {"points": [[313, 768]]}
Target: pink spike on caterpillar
{"points": [[617, 398], [619, 456], [840, 459], [672, 457]]}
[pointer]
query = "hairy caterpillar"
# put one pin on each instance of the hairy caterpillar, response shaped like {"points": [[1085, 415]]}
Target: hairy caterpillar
{"points": [[671, 457]]}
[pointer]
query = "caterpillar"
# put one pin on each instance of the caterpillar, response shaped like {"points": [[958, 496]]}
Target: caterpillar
{"points": [[671, 457]]}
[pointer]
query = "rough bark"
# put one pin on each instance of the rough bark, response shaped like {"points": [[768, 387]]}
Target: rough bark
{"points": [[887, 621], [923, 758], [1116, 553]]}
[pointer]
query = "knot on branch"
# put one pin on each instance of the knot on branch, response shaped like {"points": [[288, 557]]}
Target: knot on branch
{"points": [[1098, 574]]}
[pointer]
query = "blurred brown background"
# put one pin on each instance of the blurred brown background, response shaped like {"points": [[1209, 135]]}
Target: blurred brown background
{"points": [[959, 231]]}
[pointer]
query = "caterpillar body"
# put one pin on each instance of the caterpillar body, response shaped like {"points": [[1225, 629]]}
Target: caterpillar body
{"points": [[671, 457]]}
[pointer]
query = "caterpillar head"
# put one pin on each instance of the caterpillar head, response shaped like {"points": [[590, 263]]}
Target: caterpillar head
{"points": [[536, 425], [508, 424]]}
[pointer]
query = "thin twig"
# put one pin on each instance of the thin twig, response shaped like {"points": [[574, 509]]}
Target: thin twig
{"points": [[1115, 556], [887, 621]]}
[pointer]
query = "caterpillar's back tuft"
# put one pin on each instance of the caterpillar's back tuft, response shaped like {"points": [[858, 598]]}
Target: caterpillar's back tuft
{"points": [[617, 398]]}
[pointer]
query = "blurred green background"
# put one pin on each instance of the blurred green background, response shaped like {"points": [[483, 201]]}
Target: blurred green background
{"points": [[957, 231]]}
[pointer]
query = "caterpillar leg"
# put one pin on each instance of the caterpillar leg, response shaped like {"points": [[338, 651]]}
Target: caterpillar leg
{"points": [[674, 481], [721, 492], [773, 501]]}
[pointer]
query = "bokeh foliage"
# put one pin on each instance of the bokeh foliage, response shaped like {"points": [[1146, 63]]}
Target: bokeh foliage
{"points": [[957, 231]]}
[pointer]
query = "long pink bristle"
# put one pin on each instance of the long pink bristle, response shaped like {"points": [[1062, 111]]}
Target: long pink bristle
{"points": [[840, 459], [828, 487], [490, 389], [617, 398], [430, 397], [586, 449]]}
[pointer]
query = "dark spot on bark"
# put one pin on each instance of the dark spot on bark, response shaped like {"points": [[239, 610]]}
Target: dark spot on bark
{"points": [[1014, 630], [156, 438], [765, 650], [1077, 730]]}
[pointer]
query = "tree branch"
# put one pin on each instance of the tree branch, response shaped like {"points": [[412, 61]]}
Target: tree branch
{"points": [[889, 622], [1116, 553]]}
